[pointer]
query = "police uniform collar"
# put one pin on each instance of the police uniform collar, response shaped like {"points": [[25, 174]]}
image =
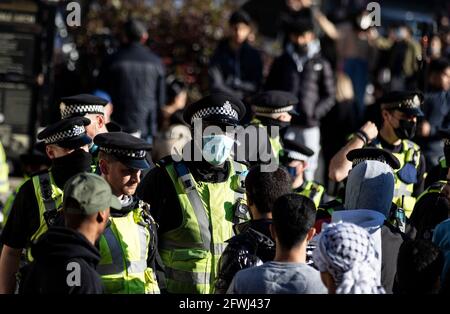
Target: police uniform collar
{"points": [[79, 105]]}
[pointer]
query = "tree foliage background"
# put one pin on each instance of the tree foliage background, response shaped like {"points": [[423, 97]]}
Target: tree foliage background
{"points": [[183, 33]]}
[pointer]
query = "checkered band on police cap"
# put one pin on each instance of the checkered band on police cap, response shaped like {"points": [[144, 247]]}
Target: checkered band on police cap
{"points": [[262, 109], [295, 155], [75, 131], [225, 110], [131, 153], [69, 110], [357, 161], [409, 103]]}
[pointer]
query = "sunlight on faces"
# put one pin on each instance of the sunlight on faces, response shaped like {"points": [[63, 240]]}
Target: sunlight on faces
{"points": [[240, 32], [123, 180]]}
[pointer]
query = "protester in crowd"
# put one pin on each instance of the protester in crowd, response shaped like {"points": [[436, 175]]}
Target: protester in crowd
{"points": [[436, 109], [302, 71], [176, 97], [419, 268], [292, 228], [253, 243], [347, 260], [135, 78], [236, 67], [441, 237], [65, 258]]}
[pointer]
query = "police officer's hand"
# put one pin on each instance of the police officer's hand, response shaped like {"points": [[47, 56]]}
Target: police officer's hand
{"points": [[370, 129]]}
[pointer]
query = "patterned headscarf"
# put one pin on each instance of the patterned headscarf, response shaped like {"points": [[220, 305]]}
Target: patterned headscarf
{"points": [[347, 252]]}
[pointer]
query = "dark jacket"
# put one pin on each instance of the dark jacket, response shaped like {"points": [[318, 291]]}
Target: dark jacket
{"points": [[57, 255], [312, 82], [239, 73], [436, 109], [252, 246], [135, 79]]}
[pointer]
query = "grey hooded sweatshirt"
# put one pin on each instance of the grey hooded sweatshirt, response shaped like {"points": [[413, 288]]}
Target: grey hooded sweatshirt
{"points": [[368, 199]]}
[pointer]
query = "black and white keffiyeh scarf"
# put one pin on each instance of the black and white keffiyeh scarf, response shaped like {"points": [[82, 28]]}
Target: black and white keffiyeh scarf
{"points": [[347, 252]]}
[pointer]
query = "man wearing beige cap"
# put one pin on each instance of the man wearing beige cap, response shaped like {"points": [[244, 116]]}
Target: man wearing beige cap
{"points": [[66, 257]]}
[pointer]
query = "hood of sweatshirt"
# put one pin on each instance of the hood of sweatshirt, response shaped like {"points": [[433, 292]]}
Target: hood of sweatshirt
{"points": [[62, 244], [370, 185]]}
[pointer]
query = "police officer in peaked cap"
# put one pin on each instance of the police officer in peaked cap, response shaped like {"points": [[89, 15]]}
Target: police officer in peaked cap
{"points": [[197, 202], [399, 112], [37, 201], [122, 157]]}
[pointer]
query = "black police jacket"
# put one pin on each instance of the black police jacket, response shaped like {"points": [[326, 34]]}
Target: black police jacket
{"points": [[252, 246]]}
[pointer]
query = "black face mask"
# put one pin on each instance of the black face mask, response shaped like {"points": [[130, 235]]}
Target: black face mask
{"points": [[63, 168], [301, 49], [406, 130]]}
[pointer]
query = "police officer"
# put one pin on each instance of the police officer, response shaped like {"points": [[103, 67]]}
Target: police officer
{"points": [[399, 111], [193, 200], [128, 246], [38, 198], [294, 158], [32, 162], [273, 112], [439, 172], [92, 108]]}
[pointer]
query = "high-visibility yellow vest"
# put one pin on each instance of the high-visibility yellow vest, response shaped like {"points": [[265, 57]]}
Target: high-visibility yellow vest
{"points": [[49, 198], [313, 191], [4, 171], [275, 142], [403, 192], [190, 253], [124, 248]]}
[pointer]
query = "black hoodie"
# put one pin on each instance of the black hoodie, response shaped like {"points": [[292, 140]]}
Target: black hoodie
{"points": [[55, 269]]}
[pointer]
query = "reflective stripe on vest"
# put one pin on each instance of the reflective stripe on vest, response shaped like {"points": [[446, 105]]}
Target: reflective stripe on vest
{"points": [[4, 171], [436, 187], [191, 252], [124, 251], [402, 191], [313, 191], [49, 197]]}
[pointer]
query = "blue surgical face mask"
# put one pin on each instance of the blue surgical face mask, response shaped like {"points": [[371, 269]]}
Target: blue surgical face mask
{"points": [[292, 171], [217, 148], [93, 148]]}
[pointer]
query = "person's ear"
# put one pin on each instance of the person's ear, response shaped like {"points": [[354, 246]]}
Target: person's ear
{"points": [[100, 121], [50, 152], [103, 164], [102, 216], [310, 234]]}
